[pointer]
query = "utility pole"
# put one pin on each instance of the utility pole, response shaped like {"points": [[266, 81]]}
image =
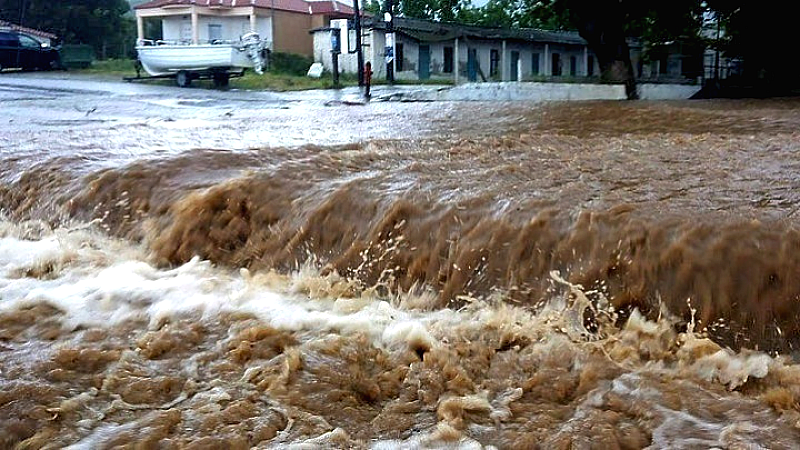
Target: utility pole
{"points": [[359, 53], [388, 17], [336, 49]]}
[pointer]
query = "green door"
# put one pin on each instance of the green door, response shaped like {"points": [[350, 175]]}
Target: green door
{"points": [[514, 64], [424, 62], [472, 64]]}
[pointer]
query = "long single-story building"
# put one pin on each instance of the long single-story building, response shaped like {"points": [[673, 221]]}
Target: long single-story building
{"points": [[284, 24], [425, 50]]}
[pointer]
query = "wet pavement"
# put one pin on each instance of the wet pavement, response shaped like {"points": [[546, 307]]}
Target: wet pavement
{"points": [[61, 111]]}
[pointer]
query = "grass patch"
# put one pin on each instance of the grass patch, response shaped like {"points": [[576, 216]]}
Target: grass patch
{"points": [[287, 74], [290, 63], [120, 67], [281, 82]]}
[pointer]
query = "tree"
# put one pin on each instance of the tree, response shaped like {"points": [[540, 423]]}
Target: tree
{"points": [[100, 23], [761, 34], [757, 33]]}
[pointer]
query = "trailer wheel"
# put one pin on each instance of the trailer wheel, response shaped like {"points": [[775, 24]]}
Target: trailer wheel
{"points": [[221, 79], [183, 79]]}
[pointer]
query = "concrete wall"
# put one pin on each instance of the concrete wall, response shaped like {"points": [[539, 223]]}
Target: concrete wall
{"points": [[537, 91], [511, 91], [652, 91]]}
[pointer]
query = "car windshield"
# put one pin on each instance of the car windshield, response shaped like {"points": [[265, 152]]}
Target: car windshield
{"points": [[27, 41]]}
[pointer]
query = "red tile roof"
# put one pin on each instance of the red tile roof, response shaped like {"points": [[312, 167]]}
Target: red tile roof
{"points": [[325, 7]]}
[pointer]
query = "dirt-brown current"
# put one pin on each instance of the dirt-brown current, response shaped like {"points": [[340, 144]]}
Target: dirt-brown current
{"points": [[594, 274]]}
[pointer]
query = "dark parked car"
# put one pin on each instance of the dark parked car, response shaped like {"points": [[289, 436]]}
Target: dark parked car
{"points": [[21, 50]]}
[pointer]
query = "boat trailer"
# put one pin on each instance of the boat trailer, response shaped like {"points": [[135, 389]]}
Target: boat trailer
{"points": [[183, 78]]}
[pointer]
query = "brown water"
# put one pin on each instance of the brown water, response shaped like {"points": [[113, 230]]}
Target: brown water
{"points": [[595, 274]]}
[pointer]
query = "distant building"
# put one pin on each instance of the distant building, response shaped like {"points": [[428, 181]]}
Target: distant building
{"points": [[283, 23], [447, 51]]}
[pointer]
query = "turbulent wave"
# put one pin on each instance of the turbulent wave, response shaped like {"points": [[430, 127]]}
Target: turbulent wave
{"points": [[551, 285], [460, 218], [201, 356]]}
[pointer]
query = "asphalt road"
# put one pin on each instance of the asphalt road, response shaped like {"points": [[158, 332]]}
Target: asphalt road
{"points": [[102, 119]]}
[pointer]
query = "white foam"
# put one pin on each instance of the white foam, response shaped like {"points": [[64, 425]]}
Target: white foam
{"points": [[104, 289]]}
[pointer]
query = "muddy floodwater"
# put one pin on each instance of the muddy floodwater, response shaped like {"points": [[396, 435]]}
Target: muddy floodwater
{"points": [[185, 269]]}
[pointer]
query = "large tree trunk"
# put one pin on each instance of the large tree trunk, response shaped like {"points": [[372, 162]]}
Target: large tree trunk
{"points": [[600, 22]]}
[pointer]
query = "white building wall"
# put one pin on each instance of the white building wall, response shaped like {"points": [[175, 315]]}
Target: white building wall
{"points": [[264, 29], [375, 53], [174, 28], [410, 60], [171, 27]]}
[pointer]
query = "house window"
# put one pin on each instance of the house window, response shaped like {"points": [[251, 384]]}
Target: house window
{"points": [[494, 62], [590, 66], [214, 32], [535, 64], [448, 60], [556, 59], [399, 57], [573, 66]]}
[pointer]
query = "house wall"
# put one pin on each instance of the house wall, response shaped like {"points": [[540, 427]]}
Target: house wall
{"points": [[287, 31], [232, 27], [319, 21], [291, 33], [171, 27], [375, 53]]}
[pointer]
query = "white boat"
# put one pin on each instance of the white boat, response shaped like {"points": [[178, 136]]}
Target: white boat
{"points": [[164, 58]]}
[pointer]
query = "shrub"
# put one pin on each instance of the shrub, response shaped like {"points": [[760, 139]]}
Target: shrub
{"points": [[289, 63]]}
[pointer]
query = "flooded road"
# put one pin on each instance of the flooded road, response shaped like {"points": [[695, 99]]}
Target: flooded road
{"points": [[201, 269]]}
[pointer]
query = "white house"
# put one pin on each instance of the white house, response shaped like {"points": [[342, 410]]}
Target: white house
{"points": [[285, 24]]}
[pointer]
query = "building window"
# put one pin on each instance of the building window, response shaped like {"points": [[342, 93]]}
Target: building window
{"points": [[535, 64], [573, 66], [448, 60], [399, 57], [590, 66], [556, 65], [214, 32], [494, 62]]}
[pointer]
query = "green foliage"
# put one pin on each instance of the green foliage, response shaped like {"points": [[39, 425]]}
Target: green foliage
{"points": [[289, 63], [441, 10], [99, 23], [373, 7]]}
